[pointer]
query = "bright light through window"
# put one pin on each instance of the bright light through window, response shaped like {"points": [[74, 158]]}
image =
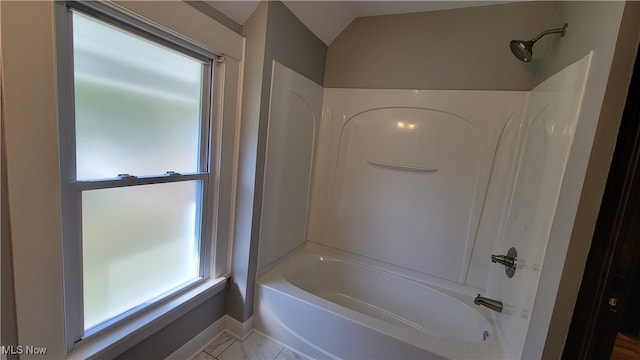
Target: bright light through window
{"points": [[138, 104], [138, 110], [138, 243]]}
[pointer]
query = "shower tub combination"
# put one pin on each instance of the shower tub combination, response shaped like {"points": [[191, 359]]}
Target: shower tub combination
{"points": [[413, 191], [329, 304], [386, 168]]}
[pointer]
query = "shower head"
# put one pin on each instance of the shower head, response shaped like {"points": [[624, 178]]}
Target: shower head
{"points": [[523, 50]]}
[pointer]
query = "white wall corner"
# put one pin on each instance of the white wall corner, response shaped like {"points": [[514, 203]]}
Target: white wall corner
{"points": [[238, 329], [193, 347]]}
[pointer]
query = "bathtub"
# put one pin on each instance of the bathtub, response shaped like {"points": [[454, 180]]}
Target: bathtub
{"points": [[330, 306]]}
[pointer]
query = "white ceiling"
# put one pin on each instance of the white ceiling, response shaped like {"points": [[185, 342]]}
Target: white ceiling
{"points": [[327, 19]]}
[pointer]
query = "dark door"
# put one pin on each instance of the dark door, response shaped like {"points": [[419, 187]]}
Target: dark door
{"points": [[607, 284]]}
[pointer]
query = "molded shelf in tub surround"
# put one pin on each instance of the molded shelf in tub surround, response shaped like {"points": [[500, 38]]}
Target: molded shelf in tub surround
{"points": [[412, 166], [403, 167]]}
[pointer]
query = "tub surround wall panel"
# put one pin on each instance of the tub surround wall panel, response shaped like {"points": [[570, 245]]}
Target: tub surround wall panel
{"points": [[421, 220], [372, 187], [400, 166], [272, 32], [496, 203], [550, 122], [459, 49], [611, 30], [294, 117], [291, 44]]}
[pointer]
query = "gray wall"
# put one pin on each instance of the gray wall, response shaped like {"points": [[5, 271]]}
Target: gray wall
{"points": [[592, 26], [216, 15], [173, 336], [244, 252], [451, 49], [293, 45], [272, 33]]}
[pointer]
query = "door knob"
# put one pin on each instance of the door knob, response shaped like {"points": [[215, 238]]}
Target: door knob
{"points": [[613, 303]]}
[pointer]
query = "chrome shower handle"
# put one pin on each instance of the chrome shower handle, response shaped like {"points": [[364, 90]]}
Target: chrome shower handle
{"points": [[504, 260], [509, 261]]}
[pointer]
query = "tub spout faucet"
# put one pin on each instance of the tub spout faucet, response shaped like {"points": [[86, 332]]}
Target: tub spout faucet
{"points": [[494, 305]]}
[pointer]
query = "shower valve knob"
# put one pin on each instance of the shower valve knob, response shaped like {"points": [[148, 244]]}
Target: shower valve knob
{"points": [[503, 259], [509, 261]]}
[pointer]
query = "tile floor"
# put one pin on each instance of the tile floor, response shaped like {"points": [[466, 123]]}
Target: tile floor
{"points": [[254, 347]]}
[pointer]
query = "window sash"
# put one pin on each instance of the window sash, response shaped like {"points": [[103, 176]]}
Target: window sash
{"points": [[120, 17], [136, 27], [135, 181], [72, 189], [205, 231]]}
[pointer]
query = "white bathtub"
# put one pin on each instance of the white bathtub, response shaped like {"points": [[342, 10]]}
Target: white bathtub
{"points": [[328, 307]]}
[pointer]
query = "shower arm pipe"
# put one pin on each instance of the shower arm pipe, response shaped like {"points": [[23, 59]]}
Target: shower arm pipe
{"points": [[561, 31]]}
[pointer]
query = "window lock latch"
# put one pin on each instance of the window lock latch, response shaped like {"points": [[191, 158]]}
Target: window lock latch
{"points": [[127, 176], [172, 173]]}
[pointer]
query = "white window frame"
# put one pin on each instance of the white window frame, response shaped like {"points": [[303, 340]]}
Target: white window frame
{"points": [[32, 46], [214, 267]]}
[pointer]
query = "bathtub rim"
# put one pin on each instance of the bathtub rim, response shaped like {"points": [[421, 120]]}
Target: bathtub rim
{"points": [[475, 324], [443, 285], [275, 280]]}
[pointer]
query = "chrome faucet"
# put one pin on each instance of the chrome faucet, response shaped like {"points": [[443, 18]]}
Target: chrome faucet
{"points": [[494, 305]]}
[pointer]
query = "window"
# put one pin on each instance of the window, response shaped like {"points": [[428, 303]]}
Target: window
{"points": [[137, 146], [38, 114]]}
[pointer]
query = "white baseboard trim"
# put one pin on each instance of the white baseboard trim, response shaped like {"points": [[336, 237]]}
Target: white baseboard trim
{"points": [[193, 347], [237, 329]]}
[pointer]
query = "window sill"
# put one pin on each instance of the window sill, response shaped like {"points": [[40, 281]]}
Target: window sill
{"points": [[113, 342]]}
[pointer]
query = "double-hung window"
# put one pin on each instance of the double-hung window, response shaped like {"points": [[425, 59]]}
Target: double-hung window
{"points": [[137, 158]]}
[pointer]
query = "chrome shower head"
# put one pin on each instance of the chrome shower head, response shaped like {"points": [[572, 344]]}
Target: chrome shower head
{"points": [[523, 50]]}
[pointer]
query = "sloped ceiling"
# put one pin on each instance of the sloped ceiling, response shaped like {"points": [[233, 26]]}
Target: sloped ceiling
{"points": [[327, 19]]}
